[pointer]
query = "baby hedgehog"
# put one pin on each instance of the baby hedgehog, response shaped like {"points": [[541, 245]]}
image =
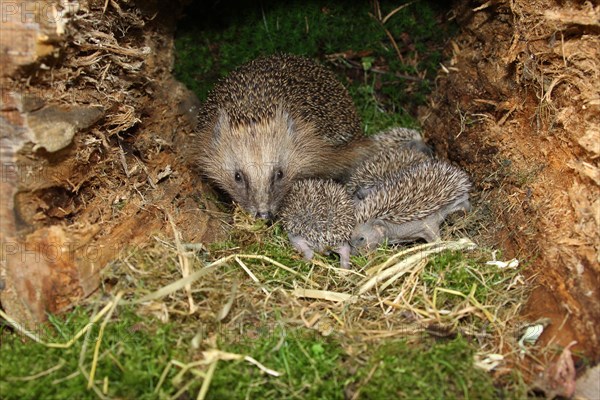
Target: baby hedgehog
{"points": [[411, 206], [401, 137], [319, 216], [381, 167]]}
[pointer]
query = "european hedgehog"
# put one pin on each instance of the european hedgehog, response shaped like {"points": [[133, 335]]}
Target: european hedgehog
{"points": [[318, 215], [412, 205], [271, 122], [381, 167]]}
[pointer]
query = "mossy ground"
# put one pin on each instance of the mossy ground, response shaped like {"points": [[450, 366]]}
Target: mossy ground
{"points": [[134, 352], [320, 349], [375, 348]]}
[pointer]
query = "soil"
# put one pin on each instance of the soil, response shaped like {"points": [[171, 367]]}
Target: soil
{"points": [[519, 109]]}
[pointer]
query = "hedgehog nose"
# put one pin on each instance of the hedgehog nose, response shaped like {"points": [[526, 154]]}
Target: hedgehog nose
{"points": [[264, 215]]}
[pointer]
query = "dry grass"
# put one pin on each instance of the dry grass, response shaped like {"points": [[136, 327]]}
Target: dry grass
{"points": [[390, 294], [393, 293]]}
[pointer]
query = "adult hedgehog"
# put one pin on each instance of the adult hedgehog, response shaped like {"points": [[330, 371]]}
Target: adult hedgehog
{"points": [[271, 122]]}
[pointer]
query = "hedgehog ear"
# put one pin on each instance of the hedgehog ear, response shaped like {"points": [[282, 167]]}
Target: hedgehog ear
{"points": [[222, 123], [379, 225]]}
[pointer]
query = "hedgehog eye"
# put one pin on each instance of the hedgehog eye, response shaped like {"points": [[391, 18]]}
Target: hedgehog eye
{"points": [[238, 177], [279, 175]]}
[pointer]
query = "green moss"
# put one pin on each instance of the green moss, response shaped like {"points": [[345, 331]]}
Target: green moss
{"points": [[370, 110], [435, 370], [309, 364], [134, 353]]}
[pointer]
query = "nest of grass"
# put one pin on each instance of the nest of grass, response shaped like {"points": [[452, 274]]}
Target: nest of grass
{"points": [[437, 290]]}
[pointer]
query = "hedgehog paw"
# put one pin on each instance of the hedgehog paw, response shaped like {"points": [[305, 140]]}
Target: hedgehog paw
{"points": [[344, 252], [302, 246]]}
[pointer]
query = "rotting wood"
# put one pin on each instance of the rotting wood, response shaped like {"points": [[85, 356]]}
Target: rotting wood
{"points": [[67, 206], [537, 168], [29, 29]]}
